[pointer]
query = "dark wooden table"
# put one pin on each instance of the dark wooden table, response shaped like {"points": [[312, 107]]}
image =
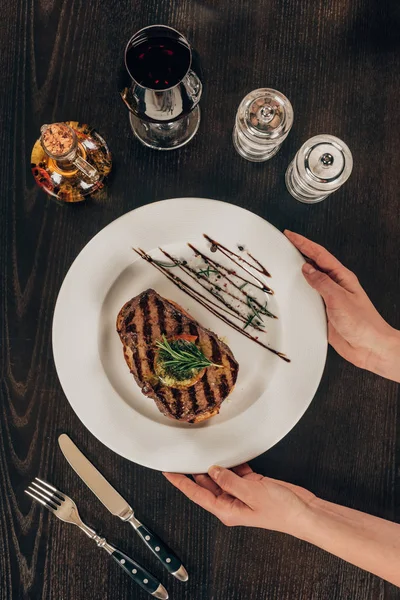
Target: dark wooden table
{"points": [[339, 63]]}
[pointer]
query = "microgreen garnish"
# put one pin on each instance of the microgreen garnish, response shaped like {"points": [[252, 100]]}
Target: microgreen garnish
{"points": [[207, 272], [256, 312], [166, 265], [259, 310], [241, 287], [249, 321], [181, 359], [251, 304]]}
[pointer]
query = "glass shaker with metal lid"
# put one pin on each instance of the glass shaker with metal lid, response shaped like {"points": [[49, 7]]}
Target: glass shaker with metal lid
{"points": [[320, 167], [263, 120]]}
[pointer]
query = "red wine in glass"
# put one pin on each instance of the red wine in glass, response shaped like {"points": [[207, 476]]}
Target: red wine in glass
{"points": [[160, 83], [158, 63]]}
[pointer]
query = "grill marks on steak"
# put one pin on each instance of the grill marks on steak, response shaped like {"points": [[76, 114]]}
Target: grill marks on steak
{"points": [[141, 322]]}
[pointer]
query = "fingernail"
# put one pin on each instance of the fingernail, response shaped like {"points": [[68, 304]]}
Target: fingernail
{"points": [[214, 471], [308, 269]]}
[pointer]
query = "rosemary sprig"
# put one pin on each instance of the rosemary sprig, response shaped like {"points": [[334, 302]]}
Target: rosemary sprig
{"points": [[181, 359]]}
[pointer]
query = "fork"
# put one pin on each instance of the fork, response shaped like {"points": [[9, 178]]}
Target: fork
{"points": [[65, 509]]}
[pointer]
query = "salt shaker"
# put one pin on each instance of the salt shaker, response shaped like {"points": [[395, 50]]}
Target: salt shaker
{"points": [[320, 167], [263, 120]]}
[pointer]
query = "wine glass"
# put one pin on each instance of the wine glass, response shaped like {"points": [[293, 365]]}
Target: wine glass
{"points": [[161, 86]]}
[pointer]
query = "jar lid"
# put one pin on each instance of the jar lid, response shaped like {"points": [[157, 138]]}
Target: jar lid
{"points": [[265, 113], [325, 161]]}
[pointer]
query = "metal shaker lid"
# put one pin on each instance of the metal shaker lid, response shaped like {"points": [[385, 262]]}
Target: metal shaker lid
{"points": [[265, 113], [325, 161]]}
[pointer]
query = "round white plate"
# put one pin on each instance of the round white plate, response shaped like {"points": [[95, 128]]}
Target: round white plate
{"points": [[270, 395]]}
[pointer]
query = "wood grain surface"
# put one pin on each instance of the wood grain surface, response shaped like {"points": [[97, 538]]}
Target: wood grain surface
{"points": [[339, 63]]}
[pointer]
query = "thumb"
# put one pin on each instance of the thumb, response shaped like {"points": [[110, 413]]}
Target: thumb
{"points": [[230, 482], [321, 282]]}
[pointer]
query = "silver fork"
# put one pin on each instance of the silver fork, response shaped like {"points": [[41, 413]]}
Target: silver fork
{"points": [[65, 509]]}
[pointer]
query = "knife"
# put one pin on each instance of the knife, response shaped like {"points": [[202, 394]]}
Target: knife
{"points": [[119, 507]]}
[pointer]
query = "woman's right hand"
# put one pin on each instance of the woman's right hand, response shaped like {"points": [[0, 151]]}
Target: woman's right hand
{"points": [[242, 497], [355, 328]]}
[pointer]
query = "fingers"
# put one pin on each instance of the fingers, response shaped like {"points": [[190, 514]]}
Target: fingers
{"points": [[207, 483], [242, 470], [199, 495], [231, 483], [329, 290], [247, 472], [325, 260], [224, 507]]}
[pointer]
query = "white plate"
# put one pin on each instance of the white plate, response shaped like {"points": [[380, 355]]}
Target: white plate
{"points": [[270, 395]]}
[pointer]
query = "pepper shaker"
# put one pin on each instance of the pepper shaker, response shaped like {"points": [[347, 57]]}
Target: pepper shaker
{"points": [[320, 167], [263, 121]]}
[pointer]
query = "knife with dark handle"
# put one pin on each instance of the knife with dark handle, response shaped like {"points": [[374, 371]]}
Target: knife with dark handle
{"points": [[159, 549], [139, 575], [118, 506]]}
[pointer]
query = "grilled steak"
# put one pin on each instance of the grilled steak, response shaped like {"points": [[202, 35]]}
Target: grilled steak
{"points": [[140, 323]]}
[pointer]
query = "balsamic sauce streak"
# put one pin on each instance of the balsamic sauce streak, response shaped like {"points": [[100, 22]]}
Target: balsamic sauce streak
{"points": [[214, 264], [196, 296], [259, 266], [194, 275], [229, 254], [172, 276], [217, 266]]}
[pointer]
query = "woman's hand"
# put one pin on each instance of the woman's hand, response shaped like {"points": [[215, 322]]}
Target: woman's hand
{"points": [[242, 497], [355, 328]]}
